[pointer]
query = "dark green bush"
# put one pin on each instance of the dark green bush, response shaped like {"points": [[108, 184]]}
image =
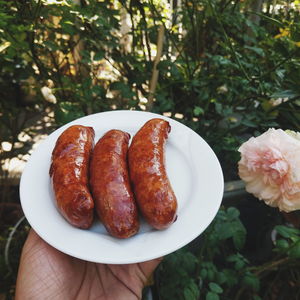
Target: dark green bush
{"points": [[221, 73], [220, 70]]}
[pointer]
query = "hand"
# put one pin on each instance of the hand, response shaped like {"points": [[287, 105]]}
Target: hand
{"points": [[46, 273]]}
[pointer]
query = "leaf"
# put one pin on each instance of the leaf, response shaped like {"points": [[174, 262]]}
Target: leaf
{"points": [[67, 111], [51, 45], [198, 111], [224, 231], [231, 278], [189, 262], [67, 28], [203, 273], [221, 277], [99, 91], [99, 55], [239, 238], [286, 231], [285, 94], [219, 108], [233, 213], [125, 90], [272, 20], [214, 287], [294, 252], [238, 260], [282, 48], [282, 244], [212, 296], [249, 123], [251, 281], [257, 50], [210, 274], [191, 292], [295, 32]]}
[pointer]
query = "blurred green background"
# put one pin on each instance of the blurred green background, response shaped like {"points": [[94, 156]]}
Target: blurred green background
{"points": [[228, 69]]}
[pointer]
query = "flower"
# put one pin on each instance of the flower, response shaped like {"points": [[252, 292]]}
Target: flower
{"points": [[283, 32], [270, 168]]}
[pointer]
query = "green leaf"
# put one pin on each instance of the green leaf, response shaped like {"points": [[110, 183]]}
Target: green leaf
{"points": [[203, 273], [67, 111], [250, 280], [125, 90], [239, 237], [198, 111], [238, 260], [294, 252], [214, 287], [257, 50], [231, 278], [295, 32], [233, 213], [286, 231], [282, 244], [221, 277], [219, 108], [51, 45], [239, 265], [285, 94], [99, 55], [189, 261], [272, 20], [210, 274], [67, 28], [249, 123], [191, 292], [281, 48], [99, 91], [212, 296]]}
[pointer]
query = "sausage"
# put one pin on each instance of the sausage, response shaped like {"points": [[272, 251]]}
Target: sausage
{"points": [[154, 194], [69, 173], [110, 185]]}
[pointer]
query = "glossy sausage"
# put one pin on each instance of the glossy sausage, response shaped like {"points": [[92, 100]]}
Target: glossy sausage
{"points": [[69, 173], [152, 189], [110, 186]]}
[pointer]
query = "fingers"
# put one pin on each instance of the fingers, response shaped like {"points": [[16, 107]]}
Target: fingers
{"points": [[149, 266]]}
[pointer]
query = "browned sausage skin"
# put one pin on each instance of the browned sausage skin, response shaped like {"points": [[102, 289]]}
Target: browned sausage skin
{"points": [[152, 189], [110, 185], [69, 173]]}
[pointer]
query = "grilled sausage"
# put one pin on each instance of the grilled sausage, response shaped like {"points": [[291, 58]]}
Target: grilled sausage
{"points": [[69, 173], [152, 189], [110, 186]]}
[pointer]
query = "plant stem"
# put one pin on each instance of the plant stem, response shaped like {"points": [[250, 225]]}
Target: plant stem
{"points": [[155, 72], [269, 266]]}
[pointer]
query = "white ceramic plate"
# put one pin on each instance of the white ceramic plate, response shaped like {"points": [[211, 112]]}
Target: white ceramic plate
{"points": [[193, 170]]}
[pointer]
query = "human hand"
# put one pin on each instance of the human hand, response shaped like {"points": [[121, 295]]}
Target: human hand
{"points": [[46, 273]]}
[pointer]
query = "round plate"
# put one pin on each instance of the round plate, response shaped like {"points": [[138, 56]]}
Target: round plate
{"points": [[194, 172]]}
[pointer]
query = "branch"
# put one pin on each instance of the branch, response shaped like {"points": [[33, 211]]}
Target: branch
{"points": [[155, 72]]}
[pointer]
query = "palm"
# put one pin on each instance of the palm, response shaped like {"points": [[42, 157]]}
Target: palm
{"points": [[46, 273]]}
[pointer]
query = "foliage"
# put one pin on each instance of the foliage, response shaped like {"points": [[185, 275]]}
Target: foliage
{"points": [[222, 73], [9, 262], [289, 242], [228, 79], [218, 268], [214, 268]]}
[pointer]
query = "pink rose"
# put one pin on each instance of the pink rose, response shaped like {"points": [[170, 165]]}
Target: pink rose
{"points": [[270, 168]]}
